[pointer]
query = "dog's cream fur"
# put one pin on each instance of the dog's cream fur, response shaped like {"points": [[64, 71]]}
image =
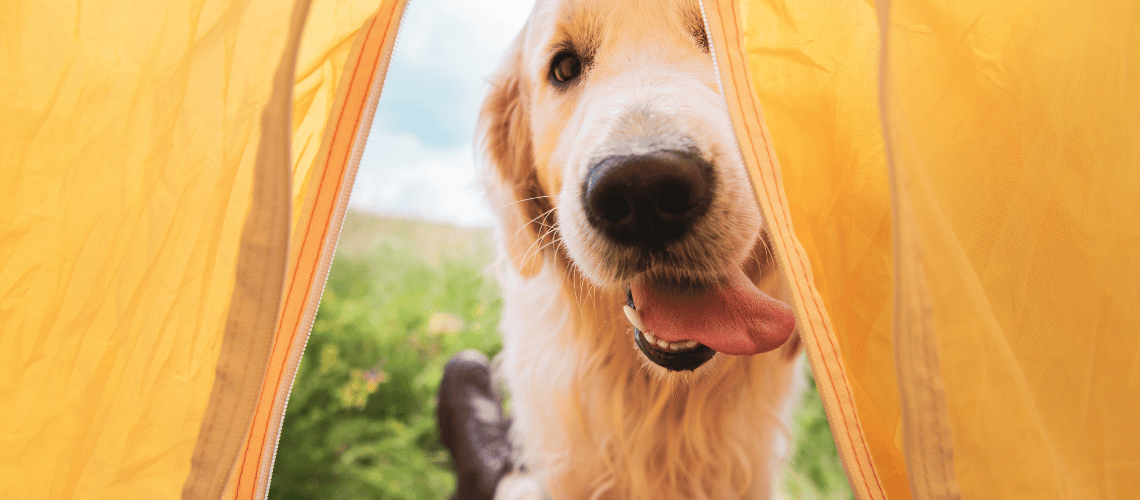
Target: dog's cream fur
{"points": [[593, 418]]}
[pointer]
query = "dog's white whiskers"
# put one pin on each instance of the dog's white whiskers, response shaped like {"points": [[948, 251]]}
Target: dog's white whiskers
{"points": [[542, 235], [545, 246], [549, 230], [501, 208], [527, 224], [582, 290]]}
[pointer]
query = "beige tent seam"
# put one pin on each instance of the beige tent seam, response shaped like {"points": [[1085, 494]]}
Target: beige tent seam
{"points": [[314, 246], [256, 300], [1061, 476], [927, 442], [813, 323], [926, 432]]}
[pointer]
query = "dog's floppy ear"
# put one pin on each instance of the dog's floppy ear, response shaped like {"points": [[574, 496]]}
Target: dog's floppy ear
{"points": [[516, 196]]}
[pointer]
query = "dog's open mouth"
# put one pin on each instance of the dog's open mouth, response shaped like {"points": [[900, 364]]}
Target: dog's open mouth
{"points": [[680, 326], [686, 355]]}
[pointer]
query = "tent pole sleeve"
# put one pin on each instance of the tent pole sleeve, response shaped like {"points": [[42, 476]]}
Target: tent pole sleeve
{"points": [[256, 300]]}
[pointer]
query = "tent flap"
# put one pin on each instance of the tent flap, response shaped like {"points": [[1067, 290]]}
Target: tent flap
{"points": [[821, 167], [962, 182], [1014, 132], [129, 140], [127, 146]]}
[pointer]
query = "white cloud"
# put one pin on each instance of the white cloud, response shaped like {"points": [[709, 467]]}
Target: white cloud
{"points": [[419, 160], [466, 35], [415, 180]]}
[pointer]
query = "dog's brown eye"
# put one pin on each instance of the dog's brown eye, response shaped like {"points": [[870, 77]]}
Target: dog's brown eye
{"points": [[565, 67]]}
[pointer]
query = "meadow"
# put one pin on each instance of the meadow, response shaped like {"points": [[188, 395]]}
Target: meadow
{"points": [[401, 298]]}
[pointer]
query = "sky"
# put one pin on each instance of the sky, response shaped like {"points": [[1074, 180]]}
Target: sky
{"points": [[420, 160]]}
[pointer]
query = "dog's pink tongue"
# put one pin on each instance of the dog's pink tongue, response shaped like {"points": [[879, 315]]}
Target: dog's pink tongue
{"points": [[734, 317]]}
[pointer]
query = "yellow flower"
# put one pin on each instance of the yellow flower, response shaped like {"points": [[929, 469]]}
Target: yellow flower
{"points": [[444, 323]]}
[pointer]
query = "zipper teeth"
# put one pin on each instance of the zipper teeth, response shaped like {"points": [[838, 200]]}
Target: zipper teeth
{"points": [[358, 151], [853, 461], [716, 63], [720, 86]]}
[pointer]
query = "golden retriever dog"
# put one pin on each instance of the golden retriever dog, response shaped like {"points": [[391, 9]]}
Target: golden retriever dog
{"points": [[643, 351]]}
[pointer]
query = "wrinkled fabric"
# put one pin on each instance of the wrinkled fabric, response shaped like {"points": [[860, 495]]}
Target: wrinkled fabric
{"points": [[1014, 136], [129, 136], [814, 68], [965, 184], [127, 145]]}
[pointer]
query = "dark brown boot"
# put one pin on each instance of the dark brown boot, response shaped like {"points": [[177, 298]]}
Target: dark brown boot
{"points": [[472, 426]]}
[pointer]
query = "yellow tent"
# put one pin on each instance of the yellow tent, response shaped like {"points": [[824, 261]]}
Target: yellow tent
{"points": [[953, 189], [176, 174]]}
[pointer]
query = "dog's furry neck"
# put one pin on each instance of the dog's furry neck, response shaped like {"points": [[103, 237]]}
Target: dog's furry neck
{"points": [[594, 420]]}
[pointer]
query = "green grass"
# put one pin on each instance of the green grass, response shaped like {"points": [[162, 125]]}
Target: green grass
{"points": [[813, 469], [402, 297]]}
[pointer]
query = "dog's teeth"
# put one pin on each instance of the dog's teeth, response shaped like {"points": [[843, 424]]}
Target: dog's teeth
{"points": [[635, 319]]}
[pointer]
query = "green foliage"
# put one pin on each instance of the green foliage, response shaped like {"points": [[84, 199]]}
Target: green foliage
{"points": [[361, 419], [361, 416], [814, 470]]}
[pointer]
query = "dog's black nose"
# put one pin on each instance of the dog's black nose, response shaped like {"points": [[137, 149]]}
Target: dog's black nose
{"points": [[649, 199]]}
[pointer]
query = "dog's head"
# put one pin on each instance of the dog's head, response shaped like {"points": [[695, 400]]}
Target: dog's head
{"points": [[614, 155]]}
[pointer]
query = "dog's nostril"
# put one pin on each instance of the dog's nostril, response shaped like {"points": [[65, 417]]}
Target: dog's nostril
{"points": [[649, 199], [673, 199], [614, 208]]}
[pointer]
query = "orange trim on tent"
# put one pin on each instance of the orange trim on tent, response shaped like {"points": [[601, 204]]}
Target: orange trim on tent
{"points": [[313, 246], [819, 338]]}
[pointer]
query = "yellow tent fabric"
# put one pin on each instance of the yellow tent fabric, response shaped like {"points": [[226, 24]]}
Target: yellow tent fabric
{"points": [[952, 190], [130, 140], [821, 182], [1014, 141], [963, 179], [358, 62]]}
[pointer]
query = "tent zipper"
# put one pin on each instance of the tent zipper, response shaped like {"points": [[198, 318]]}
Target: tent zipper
{"points": [[326, 259]]}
